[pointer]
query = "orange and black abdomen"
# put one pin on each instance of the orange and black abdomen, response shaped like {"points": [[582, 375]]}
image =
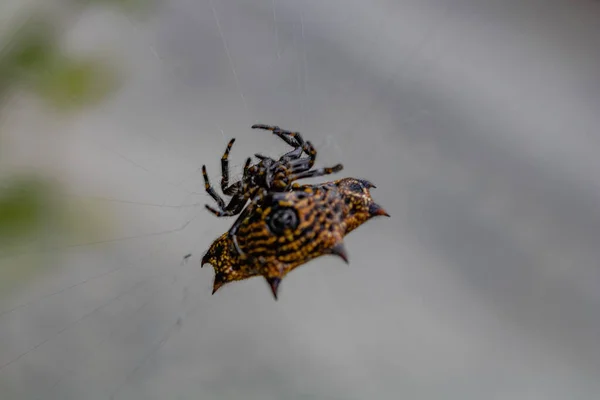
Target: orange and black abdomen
{"points": [[288, 229], [291, 228]]}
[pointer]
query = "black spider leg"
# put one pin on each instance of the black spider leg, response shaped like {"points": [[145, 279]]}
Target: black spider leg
{"points": [[238, 200], [290, 137], [300, 165], [224, 179], [294, 139], [262, 158], [316, 172], [267, 164], [235, 188], [292, 155], [236, 225], [287, 136], [225, 170], [235, 206], [209, 189], [301, 146], [227, 189]]}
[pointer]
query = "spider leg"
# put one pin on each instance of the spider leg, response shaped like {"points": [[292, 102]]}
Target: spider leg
{"points": [[262, 158], [294, 139], [306, 147], [235, 206], [243, 216], [210, 190], [292, 155], [301, 165], [311, 151], [315, 172], [286, 136], [247, 166], [232, 189], [302, 146], [236, 187], [235, 227], [225, 166]]}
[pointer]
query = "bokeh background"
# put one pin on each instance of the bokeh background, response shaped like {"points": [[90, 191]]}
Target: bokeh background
{"points": [[476, 119]]}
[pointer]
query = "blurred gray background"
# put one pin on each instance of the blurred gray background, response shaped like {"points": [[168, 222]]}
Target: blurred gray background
{"points": [[476, 119]]}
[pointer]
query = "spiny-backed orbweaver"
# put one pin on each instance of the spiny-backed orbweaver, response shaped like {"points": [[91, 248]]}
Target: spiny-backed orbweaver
{"points": [[289, 229], [268, 175]]}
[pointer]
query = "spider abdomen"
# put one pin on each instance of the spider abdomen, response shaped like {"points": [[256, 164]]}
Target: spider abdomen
{"points": [[312, 221]]}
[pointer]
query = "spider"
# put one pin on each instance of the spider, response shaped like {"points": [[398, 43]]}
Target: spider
{"points": [[288, 229], [265, 176]]}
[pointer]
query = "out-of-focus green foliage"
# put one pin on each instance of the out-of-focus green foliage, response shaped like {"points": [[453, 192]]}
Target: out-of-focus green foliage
{"points": [[70, 83], [32, 60], [29, 214], [34, 214], [24, 204], [126, 5], [36, 221]]}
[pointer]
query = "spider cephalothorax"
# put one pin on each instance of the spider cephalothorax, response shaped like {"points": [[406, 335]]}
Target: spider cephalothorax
{"points": [[288, 229], [268, 175]]}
